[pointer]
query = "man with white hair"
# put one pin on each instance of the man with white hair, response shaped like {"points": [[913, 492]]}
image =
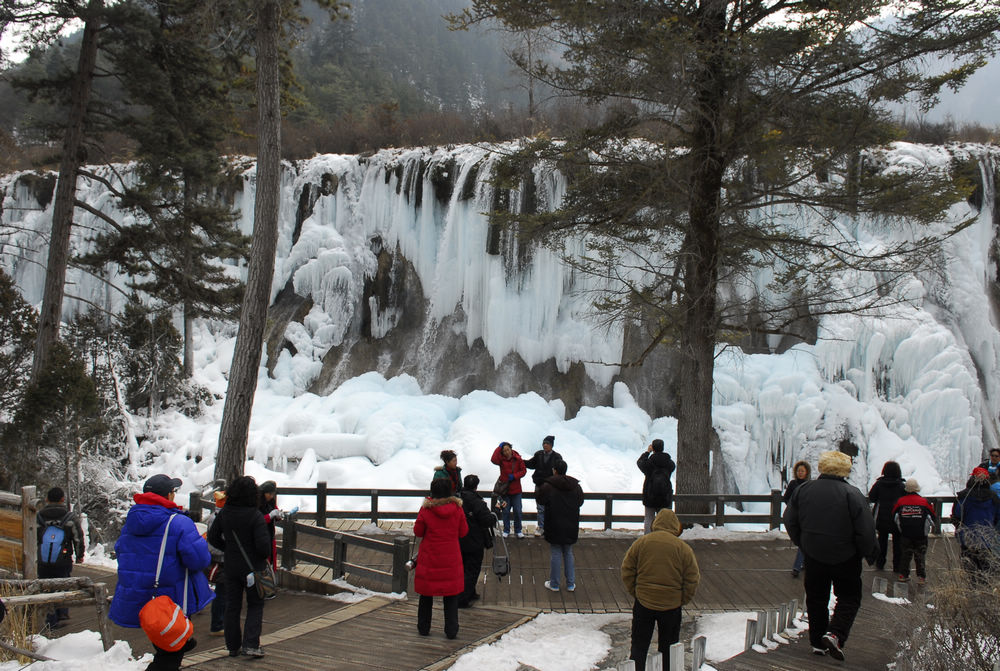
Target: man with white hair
{"points": [[830, 521]]}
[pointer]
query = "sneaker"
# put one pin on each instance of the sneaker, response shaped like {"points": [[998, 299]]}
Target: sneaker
{"points": [[520, 534], [506, 534], [903, 578], [539, 531], [548, 586], [832, 645], [921, 580], [795, 573], [256, 653], [818, 651], [234, 653], [571, 588]]}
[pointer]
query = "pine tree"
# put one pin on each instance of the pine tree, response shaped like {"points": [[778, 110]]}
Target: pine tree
{"points": [[18, 322], [738, 106], [177, 86]]}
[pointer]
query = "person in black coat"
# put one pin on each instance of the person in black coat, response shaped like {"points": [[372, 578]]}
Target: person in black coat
{"points": [[888, 489], [240, 519], [543, 461], [56, 512], [473, 544], [657, 490], [562, 497]]}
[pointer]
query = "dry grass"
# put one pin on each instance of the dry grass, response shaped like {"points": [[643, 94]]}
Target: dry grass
{"points": [[955, 624], [17, 628]]}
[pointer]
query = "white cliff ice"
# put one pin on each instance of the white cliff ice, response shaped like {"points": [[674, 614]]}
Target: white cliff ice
{"points": [[917, 382]]}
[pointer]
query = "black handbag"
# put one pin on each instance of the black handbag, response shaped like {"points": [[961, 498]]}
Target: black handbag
{"points": [[263, 580]]}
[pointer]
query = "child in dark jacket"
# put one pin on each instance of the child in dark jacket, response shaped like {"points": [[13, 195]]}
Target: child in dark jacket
{"points": [[914, 517]]}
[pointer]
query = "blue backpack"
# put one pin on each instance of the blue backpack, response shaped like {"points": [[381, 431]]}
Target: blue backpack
{"points": [[53, 540]]}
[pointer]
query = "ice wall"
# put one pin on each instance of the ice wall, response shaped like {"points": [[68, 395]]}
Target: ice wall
{"points": [[918, 383]]}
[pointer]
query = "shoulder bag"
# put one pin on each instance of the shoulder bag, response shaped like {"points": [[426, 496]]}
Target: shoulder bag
{"points": [[263, 580]]}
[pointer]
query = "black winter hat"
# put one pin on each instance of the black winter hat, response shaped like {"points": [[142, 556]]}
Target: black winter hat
{"points": [[549, 440]]}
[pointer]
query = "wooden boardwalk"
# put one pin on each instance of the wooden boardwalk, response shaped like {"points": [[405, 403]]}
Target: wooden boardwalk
{"points": [[307, 631]]}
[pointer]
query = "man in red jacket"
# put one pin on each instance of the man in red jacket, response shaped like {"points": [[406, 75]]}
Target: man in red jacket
{"points": [[512, 469]]}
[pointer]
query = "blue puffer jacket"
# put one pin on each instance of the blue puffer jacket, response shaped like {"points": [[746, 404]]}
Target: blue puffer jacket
{"points": [[976, 514], [138, 548]]}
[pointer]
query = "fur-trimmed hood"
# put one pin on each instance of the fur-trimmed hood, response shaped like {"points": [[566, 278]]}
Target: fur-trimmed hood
{"points": [[835, 463], [434, 503]]}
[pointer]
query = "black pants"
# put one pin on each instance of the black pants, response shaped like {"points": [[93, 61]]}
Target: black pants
{"points": [[424, 607], [169, 661], [846, 581], [472, 564], [668, 626], [883, 548], [249, 637], [915, 549], [61, 570]]}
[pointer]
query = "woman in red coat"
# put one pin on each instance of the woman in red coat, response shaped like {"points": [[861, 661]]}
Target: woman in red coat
{"points": [[512, 469], [440, 522]]}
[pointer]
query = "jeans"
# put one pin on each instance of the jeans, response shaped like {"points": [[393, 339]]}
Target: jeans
{"points": [[915, 548], [560, 557], [513, 506], [668, 625], [424, 608], [249, 637], [541, 515], [799, 560], [845, 578]]}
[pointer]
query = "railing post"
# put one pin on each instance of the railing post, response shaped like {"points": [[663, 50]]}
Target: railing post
{"points": [[194, 506], [775, 508], [400, 555], [339, 552], [101, 602], [289, 537], [321, 505], [609, 502], [938, 512], [720, 512], [29, 534], [374, 511]]}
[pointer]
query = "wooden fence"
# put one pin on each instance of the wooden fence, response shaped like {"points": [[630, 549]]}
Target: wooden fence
{"points": [[63, 592], [716, 502], [18, 533]]}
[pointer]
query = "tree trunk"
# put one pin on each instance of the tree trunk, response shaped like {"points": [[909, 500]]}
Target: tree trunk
{"points": [[701, 270], [50, 316], [231, 456], [188, 340]]}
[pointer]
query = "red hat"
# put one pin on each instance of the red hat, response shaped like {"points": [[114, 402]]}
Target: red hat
{"points": [[980, 473]]}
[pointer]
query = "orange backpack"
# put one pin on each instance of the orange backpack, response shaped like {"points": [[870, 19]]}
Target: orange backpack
{"points": [[164, 622]]}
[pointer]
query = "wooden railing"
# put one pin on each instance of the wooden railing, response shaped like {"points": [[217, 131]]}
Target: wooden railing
{"points": [[63, 592], [399, 548], [18, 533]]}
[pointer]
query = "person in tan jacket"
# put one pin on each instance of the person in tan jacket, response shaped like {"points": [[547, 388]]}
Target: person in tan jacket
{"points": [[660, 571]]}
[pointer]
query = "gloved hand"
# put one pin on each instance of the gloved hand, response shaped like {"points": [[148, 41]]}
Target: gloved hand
{"points": [[510, 477], [275, 514]]}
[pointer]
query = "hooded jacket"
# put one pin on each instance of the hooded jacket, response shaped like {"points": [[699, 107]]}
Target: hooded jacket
{"points": [[246, 523], [440, 523], [138, 549], [513, 466], [913, 515], [660, 570], [562, 497], [829, 518], [976, 514]]}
